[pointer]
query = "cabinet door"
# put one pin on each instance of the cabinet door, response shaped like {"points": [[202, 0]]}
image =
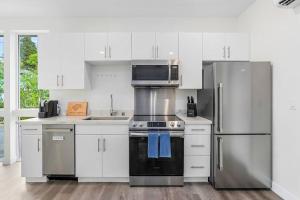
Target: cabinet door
{"points": [[116, 156], [48, 61], [88, 156], [119, 47], [190, 53], [214, 47], [31, 156], [72, 61], [143, 45], [167, 45], [238, 47], [95, 46]]}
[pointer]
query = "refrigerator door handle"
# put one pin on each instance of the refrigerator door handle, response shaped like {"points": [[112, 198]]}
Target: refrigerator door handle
{"points": [[220, 153], [220, 116]]}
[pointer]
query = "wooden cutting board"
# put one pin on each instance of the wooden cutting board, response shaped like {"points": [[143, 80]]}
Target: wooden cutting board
{"points": [[77, 108]]}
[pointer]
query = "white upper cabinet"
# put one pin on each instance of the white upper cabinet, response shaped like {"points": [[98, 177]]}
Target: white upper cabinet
{"points": [[214, 46], [49, 68], [143, 46], [190, 54], [61, 61], [95, 46], [226, 46], [72, 61], [238, 46], [119, 46], [166, 45], [108, 46]]}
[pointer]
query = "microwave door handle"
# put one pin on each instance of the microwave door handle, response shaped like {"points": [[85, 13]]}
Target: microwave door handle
{"points": [[169, 81]]}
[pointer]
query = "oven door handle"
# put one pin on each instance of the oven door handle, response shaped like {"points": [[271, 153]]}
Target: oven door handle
{"points": [[145, 134]]}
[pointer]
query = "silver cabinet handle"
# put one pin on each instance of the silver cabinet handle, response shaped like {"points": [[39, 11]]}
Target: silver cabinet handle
{"points": [[198, 129], [228, 53], [197, 167], [98, 144], [38, 144], [224, 52], [57, 80], [62, 80], [156, 51], [197, 145], [104, 145], [181, 80], [109, 48], [220, 153], [105, 51], [220, 107]]}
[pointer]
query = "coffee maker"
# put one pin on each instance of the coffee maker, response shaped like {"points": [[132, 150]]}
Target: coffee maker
{"points": [[48, 109]]}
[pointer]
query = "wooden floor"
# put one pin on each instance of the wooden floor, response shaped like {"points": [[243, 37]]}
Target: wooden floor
{"points": [[12, 186]]}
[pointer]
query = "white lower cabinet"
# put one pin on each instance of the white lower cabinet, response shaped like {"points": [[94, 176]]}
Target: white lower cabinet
{"points": [[196, 166], [101, 154], [31, 165], [88, 156], [197, 151], [116, 156]]}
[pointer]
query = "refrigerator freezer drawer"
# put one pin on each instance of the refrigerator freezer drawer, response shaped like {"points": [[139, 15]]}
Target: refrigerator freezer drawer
{"points": [[242, 161]]}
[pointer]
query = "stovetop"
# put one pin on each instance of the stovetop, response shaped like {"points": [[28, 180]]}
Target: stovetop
{"points": [[156, 122], [156, 118]]}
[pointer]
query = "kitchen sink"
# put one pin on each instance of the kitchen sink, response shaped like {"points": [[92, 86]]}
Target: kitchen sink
{"points": [[106, 118]]}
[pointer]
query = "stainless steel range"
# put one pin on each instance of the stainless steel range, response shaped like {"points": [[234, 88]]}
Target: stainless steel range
{"points": [[155, 111]]}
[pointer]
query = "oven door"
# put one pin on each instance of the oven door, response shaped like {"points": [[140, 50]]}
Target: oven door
{"points": [[141, 165], [155, 75]]}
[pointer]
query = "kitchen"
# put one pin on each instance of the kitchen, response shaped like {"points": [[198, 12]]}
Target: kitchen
{"points": [[136, 80]]}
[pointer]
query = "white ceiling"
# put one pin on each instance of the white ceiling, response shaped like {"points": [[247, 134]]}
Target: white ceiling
{"points": [[123, 8]]}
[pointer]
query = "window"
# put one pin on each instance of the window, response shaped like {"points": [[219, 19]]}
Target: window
{"points": [[29, 94]]}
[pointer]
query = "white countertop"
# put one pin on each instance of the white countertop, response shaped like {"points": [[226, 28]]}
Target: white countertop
{"points": [[72, 120], [193, 120], [80, 120]]}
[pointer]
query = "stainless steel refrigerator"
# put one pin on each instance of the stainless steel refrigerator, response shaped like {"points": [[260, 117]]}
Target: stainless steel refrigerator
{"points": [[237, 97]]}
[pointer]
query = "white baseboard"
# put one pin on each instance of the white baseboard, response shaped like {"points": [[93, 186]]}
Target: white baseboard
{"points": [[282, 192], [101, 179], [36, 179]]}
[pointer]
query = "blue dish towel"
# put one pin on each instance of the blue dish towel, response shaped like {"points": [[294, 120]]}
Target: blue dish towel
{"points": [[153, 144], [165, 145]]}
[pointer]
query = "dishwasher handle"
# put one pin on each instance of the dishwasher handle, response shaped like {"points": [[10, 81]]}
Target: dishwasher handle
{"points": [[58, 130]]}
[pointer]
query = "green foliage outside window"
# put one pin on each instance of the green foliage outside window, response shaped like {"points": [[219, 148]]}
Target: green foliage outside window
{"points": [[29, 92]]}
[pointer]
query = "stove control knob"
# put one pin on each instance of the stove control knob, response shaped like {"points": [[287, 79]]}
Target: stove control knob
{"points": [[133, 125], [172, 124], [178, 125], [141, 125]]}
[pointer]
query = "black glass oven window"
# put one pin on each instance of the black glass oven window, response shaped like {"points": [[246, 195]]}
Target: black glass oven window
{"points": [[150, 72], [141, 165]]}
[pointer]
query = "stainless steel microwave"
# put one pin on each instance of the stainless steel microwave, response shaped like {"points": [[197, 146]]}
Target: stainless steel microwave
{"points": [[155, 75]]}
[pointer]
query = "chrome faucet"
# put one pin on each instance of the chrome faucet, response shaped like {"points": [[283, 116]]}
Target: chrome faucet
{"points": [[112, 111]]}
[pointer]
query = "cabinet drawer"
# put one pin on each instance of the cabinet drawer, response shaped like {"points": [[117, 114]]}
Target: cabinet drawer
{"points": [[196, 166], [31, 129], [196, 145], [101, 129], [197, 129]]}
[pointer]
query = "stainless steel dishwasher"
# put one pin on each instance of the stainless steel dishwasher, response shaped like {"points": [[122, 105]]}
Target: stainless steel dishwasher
{"points": [[58, 150]]}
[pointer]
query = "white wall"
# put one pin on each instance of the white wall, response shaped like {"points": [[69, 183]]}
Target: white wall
{"points": [[275, 36]]}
